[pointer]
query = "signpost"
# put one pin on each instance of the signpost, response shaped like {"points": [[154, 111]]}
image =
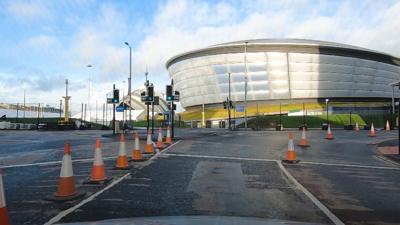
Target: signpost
{"points": [[239, 108]]}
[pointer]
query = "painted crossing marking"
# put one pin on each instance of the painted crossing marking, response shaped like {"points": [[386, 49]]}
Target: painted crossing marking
{"points": [[90, 198], [275, 160], [351, 165], [316, 202], [219, 157]]}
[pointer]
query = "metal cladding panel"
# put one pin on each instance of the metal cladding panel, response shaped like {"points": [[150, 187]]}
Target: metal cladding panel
{"points": [[280, 75]]}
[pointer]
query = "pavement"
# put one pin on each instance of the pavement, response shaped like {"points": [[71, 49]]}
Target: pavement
{"points": [[210, 173]]}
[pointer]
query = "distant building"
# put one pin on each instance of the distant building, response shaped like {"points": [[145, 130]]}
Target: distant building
{"points": [[288, 72]]}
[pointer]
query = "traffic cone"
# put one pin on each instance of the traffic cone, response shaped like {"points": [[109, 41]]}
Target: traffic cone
{"points": [[303, 141], [329, 134], [372, 133], [136, 153], [3, 208], [291, 154], [66, 190], [149, 144], [98, 174], [122, 160], [160, 139], [168, 139], [357, 127], [387, 128]]}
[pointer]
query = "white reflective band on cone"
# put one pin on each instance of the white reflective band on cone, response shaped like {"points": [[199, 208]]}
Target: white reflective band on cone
{"points": [[66, 166], [136, 143], [122, 151], [2, 195], [98, 159], [290, 145]]}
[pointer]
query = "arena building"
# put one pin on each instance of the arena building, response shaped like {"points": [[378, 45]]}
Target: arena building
{"points": [[283, 75]]}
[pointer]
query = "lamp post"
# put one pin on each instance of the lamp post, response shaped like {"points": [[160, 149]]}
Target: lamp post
{"points": [[130, 81], [88, 103], [245, 85], [326, 106], [398, 115]]}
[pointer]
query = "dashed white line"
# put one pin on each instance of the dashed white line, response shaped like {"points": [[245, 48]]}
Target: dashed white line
{"points": [[316, 202]]}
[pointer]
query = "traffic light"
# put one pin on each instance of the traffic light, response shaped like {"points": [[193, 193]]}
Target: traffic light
{"points": [[116, 96], [170, 96], [150, 93], [225, 105]]}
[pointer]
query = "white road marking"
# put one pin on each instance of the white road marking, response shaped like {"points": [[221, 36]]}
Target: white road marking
{"points": [[68, 211], [316, 202], [219, 157], [275, 160], [351, 165], [90, 198], [55, 162]]}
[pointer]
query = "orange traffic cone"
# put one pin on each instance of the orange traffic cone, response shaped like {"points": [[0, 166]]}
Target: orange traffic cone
{"points": [[291, 154], [66, 184], [357, 127], [387, 128], [149, 144], [98, 174], [303, 141], [136, 153], [372, 133], [122, 160], [168, 139], [3, 208], [160, 139], [329, 134]]}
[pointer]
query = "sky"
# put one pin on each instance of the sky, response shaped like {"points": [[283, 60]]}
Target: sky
{"points": [[42, 43]]}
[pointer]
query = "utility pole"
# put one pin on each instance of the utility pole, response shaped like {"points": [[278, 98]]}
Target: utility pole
{"points": [[229, 102], [147, 104], [60, 107], [38, 117], [88, 104], [113, 124], [152, 117], [130, 81], [245, 85], [96, 112], [172, 111], [17, 111], [24, 102], [66, 103], [81, 114], [104, 107]]}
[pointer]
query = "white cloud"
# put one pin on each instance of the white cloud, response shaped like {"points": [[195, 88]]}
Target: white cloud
{"points": [[41, 41], [180, 26], [27, 11]]}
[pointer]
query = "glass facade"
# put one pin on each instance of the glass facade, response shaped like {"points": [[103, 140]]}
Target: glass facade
{"points": [[280, 75]]}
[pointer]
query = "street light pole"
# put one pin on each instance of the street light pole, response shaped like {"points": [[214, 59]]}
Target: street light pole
{"points": [[88, 104], [326, 105], [245, 85], [130, 81], [229, 102]]}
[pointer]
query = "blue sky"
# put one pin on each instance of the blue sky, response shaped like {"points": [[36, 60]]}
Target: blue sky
{"points": [[44, 42]]}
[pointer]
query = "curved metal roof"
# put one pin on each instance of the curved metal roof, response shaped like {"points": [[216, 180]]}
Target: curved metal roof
{"points": [[290, 45]]}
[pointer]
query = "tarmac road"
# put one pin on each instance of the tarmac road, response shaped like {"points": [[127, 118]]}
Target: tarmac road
{"points": [[218, 173]]}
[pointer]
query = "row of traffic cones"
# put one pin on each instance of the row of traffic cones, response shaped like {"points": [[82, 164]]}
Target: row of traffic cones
{"points": [[291, 153], [66, 185]]}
